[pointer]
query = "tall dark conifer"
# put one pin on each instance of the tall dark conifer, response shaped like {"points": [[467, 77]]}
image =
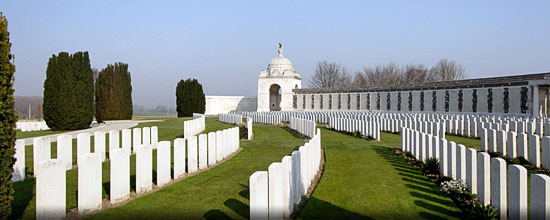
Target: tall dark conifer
{"points": [[190, 98], [7, 120], [113, 94], [69, 92]]}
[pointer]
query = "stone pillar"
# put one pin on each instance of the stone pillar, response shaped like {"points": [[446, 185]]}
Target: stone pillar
{"points": [[144, 169], [536, 105], [517, 191], [99, 144], [65, 150], [259, 195], [498, 186], [203, 151], [275, 191], [51, 189], [89, 183], [483, 178], [534, 150], [179, 157], [192, 157]]}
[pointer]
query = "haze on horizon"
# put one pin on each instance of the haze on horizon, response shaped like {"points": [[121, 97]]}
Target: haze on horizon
{"points": [[225, 44]]}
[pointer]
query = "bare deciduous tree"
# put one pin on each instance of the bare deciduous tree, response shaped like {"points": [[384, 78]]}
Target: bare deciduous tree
{"points": [[383, 75], [330, 75], [446, 70], [360, 80], [416, 73]]}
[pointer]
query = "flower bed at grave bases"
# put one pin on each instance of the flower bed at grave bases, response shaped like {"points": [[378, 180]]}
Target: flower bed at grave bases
{"points": [[494, 181], [190, 156], [274, 193], [230, 118]]}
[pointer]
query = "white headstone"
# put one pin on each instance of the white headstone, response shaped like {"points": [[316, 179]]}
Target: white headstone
{"points": [[19, 166], [51, 189], [259, 199], [540, 192], [89, 183], [179, 157], [154, 136], [275, 191], [99, 144], [498, 186], [82, 145], [517, 191], [203, 151], [136, 140], [483, 177], [144, 169], [192, 157], [120, 175], [41, 151], [163, 163], [211, 148], [65, 150]]}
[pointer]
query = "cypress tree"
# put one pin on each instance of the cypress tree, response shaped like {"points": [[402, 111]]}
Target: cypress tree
{"points": [[69, 92], [7, 120], [113, 94], [190, 98]]}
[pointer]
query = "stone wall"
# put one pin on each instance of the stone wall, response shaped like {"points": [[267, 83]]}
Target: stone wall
{"points": [[226, 104]]}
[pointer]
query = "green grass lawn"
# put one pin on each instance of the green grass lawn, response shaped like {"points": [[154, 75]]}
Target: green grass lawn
{"points": [[31, 134], [466, 141], [218, 193], [365, 180], [362, 179], [23, 205]]}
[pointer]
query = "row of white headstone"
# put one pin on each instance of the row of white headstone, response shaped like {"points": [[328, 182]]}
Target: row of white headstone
{"points": [[42, 147], [365, 127], [194, 126], [230, 118], [512, 145], [51, 176], [264, 117], [489, 178], [274, 193], [25, 126], [250, 132], [303, 126]]}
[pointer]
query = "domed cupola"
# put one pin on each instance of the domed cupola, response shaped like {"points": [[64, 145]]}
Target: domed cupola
{"points": [[280, 66]]}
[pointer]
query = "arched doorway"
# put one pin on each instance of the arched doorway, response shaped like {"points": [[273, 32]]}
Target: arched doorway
{"points": [[275, 98]]}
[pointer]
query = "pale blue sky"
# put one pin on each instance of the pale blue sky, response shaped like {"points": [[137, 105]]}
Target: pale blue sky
{"points": [[225, 44]]}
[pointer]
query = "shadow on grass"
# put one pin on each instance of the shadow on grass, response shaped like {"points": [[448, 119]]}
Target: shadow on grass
{"points": [[215, 214], [24, 192], [327, 210], [421, 187], [238, 207]]}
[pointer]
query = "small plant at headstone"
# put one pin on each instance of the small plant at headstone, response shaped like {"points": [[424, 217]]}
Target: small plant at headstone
{"points": [[442, 179], [480, 211], [357, 134], [453, 187], [430, 166]]}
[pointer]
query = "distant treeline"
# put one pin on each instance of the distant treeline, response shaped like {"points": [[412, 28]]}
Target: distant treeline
{"points": [[22, 104]]}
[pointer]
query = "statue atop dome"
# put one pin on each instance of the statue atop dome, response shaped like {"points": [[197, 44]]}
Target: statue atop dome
{"points": [[280, 49]]}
